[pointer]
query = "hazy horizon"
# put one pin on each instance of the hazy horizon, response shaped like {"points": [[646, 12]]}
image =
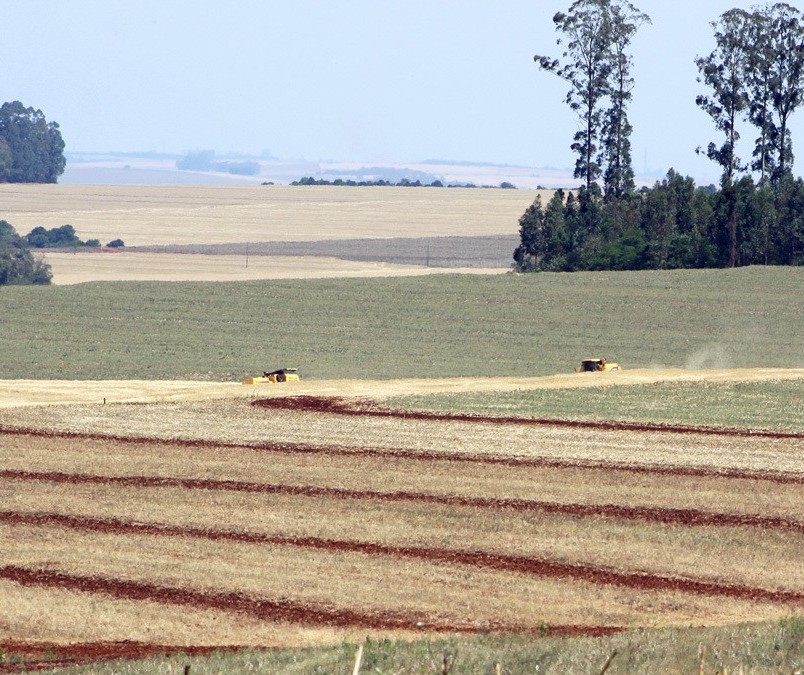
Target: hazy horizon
{"points": [[372, 83]]}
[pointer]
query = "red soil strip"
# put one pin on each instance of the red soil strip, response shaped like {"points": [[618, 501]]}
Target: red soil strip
{"points": [[498, 562], [273, 610], [687, 517], [31, 656], [334, 405], [779, 477]]}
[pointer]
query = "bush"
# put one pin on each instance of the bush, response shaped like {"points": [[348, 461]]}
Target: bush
{"points": [[116, 243], [57, 237], [17, 265]]}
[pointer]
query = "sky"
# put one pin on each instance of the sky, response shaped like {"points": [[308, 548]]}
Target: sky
{"points": [[370, 81]]}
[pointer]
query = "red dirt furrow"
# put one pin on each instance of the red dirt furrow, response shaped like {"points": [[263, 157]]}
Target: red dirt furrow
{"points": [[687, 517], [286, 611], [780, 477], [47, 655], [334, 405], [498, 562]]}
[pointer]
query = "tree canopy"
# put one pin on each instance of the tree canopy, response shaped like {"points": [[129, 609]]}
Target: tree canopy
{"points": [[17, 265], [754, 75], [31, 148], [596, 35]]}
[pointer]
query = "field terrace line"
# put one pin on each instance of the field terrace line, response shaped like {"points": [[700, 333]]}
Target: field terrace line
{"points": [[276, 610], [335, 405], [498, 562], [780, 477], [687, 517]]}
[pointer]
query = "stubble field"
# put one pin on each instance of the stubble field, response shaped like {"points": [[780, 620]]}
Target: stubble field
{"points": [[382, 231], [147, 517]]}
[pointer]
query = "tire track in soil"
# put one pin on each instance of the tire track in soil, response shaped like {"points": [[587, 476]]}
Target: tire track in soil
{"points": [[686, 517], [286, 611], [604, 576], [779, 477], [335, 405]]}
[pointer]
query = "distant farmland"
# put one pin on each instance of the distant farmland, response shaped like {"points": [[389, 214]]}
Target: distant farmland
{"points": [[193, 215]]}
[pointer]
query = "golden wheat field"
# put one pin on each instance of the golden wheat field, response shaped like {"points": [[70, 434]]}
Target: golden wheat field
{"points": [[152, 215], [208, 215], [223, 514]]}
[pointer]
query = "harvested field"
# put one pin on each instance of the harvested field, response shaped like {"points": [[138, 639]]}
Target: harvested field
{"points": [[316, 521], [184, 214], [69, 268], [285, 232]]}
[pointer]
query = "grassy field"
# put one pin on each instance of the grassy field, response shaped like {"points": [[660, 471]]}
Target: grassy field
{"points": [[773, 647], [406, 327], [752, 405]]}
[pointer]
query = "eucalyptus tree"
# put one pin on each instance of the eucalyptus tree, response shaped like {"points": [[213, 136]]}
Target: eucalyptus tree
{"points": [[584, 64], [782, 56], [618, 176], [759, 84], [595, 35], [31, 148], [724, 71]]}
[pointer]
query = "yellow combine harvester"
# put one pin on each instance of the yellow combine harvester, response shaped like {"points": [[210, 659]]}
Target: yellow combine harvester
{"points": [[274, 376], [597, 366]]}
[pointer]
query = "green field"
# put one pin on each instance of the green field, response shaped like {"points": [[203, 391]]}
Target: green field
{"points": [[772, 647], [404, 327], [775, 405]]}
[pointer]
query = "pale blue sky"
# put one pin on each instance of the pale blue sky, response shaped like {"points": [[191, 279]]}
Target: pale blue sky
{"points": [[358, 80]]}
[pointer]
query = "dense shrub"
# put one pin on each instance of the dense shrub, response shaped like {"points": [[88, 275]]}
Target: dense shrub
{"points": [[17, 264]]}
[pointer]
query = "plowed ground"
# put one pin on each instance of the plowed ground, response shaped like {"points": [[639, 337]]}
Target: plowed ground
{"points": [[278, 523]]}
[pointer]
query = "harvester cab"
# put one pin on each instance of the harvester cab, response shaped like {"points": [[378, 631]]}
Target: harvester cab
{"points": [[275, 376], [600, 365]]}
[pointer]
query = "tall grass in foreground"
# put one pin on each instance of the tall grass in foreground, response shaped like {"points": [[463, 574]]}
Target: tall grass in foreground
{"points": [[756, 648], [535, 324], [775, 405]]}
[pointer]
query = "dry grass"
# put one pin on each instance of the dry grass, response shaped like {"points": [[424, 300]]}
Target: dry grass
{"points": [[747, 556], [146, 215], [64, 617], [384, 474], [225, 420], [450, 593], [15, 393]]}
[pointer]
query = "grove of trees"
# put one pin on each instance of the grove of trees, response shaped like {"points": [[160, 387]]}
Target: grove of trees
{"points": [[31, 148], [17, 264], [57, 237], [753, 77]]}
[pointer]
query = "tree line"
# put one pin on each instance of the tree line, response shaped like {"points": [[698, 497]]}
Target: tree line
{"points": [[754, 77], [404, 182]]}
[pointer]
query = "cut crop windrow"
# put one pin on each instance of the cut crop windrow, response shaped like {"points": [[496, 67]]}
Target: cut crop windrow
{"points": [[486, 560], [779, 477], [688, 517], [279, 610], [334, 405]]}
